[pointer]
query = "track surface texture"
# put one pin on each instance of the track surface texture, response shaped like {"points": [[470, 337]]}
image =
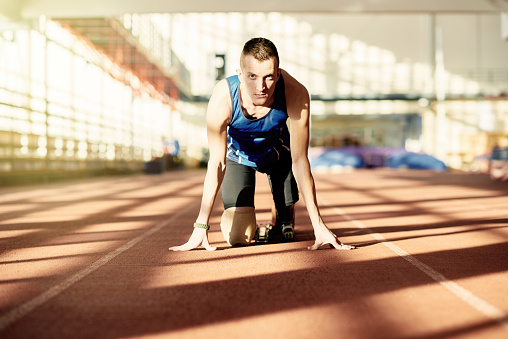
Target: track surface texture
{"points": [[90, 259]]}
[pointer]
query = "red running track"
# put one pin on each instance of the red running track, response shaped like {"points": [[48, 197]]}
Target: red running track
{"points": [[89, 259]]}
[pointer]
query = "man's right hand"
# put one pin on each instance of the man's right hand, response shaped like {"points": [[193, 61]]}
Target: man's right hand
{"points": [[199, 237]]}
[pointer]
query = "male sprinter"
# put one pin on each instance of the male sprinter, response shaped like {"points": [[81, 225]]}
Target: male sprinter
{"points": [[248, 132]]}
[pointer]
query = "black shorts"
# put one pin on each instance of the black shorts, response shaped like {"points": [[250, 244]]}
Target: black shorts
{"points": [[238, 186]]}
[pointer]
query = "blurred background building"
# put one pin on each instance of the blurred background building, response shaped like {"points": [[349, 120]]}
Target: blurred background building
{"points": [[95, 87]]}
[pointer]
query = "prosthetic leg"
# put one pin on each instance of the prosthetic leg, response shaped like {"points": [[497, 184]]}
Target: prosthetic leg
{"points": [[238, 225]]}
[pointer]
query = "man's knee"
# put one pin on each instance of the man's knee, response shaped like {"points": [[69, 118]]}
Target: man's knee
{"points": [[238, 225]]}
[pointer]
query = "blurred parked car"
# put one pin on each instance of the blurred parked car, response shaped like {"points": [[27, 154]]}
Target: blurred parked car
{"points": [[499, 164], [412, 160]]}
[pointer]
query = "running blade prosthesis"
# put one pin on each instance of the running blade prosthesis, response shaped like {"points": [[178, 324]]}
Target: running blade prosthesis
{"points": [[262, 233]]}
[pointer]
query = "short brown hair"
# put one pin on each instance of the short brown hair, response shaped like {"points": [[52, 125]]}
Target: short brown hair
{"points": [[261, 49]]}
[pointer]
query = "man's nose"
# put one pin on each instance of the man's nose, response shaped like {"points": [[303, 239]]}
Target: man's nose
{"points": [[261, 85]]}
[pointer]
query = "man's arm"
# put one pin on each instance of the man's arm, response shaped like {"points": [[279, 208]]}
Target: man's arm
{"points": [[217, 118], [298, 107]]}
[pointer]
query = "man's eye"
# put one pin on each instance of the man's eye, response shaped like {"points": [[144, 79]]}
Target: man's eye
{"points": [[252, 76]]}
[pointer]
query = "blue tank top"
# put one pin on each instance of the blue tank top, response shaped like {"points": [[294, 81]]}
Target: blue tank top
{"points": [[257, 142]]}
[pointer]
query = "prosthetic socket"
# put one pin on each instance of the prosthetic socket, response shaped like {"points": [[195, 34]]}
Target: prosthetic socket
{"points": [[238, 227]]}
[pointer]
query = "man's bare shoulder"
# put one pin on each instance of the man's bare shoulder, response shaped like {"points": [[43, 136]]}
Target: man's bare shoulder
{"points": [[219, 106], [220, 91], [294, 89]]}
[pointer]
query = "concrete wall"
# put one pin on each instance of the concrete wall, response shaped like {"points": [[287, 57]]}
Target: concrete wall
{"points": [[353, 54]]}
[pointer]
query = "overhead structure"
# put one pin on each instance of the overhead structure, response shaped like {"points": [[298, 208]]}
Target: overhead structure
{"points": [[26, 9], [109, 35]]}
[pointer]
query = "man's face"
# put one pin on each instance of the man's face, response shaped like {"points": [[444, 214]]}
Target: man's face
{"points": [[259, 79]]}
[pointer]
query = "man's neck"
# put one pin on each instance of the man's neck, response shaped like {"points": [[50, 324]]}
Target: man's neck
{"points": [[252, 110]]}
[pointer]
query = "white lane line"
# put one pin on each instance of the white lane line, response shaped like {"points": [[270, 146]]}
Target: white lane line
{"points": [[480, 305], [23, 309]]}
